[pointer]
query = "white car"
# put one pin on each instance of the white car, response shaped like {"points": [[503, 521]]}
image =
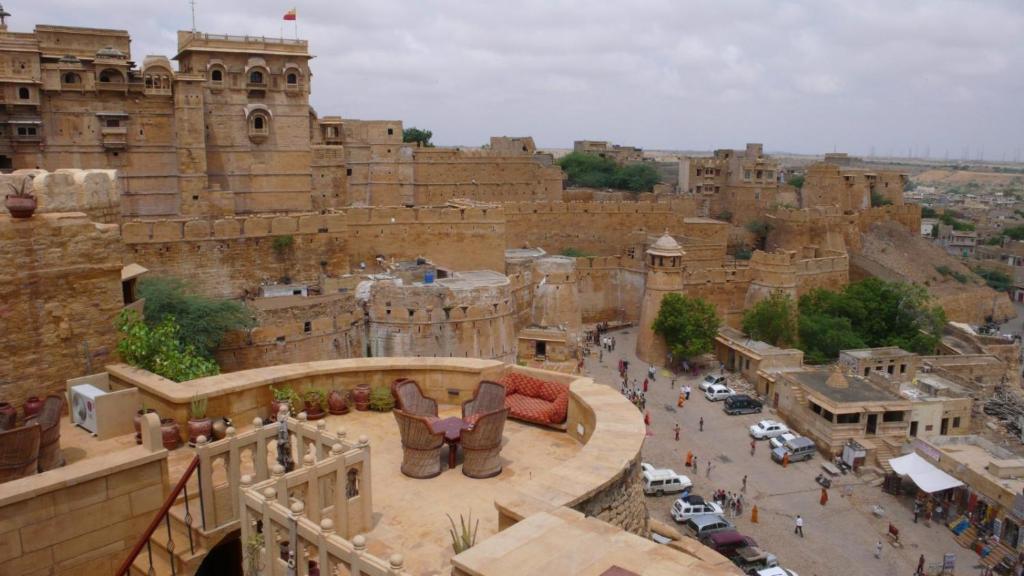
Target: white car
{"points": [[775, 571], [683, 510], [780, 440], [768, 429], [709, 380], [660, 481], [717, 392]]}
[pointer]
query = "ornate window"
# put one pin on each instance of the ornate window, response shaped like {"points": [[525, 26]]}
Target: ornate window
{"points": [[72, 78], [259, 123], [217, 75], [255, 77], [292, 79], [24, 94], [110, 76]]}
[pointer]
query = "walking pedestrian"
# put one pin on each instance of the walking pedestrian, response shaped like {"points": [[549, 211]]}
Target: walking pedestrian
{"points": [[878, 549], [682, 399], [701, 423], [708, 473], [744, 488], [753, 447], [920, 566], [645, 384], [695, 465], [676, 429], [824, 496], [721, 369], [687, 391], [673, 385], [799, 528], [917, 510], [600, 355]]}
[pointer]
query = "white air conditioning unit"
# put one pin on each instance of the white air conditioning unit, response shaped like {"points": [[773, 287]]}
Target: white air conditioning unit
{"points": [[83, 405]]}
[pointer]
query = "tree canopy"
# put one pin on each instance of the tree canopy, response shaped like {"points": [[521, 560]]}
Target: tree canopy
{"points": [[596, 172], [869, 313], [201, 321], [418, 135], [796, 181], [688, 325], [773, 320]]}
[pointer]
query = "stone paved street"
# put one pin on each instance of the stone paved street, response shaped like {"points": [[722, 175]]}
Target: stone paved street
{"points": [[840, 537]]}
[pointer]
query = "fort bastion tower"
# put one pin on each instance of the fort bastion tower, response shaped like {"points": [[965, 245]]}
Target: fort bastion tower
{"points": [[664, 261]]}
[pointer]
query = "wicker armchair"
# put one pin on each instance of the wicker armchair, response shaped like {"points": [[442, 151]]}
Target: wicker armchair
{"points": [[48, 418], [489, 396], [421, 446], [409, 398], [19, 452], [481, 445]]}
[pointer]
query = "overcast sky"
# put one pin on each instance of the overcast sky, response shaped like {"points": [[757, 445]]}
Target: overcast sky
{"points": [[937, 76]]}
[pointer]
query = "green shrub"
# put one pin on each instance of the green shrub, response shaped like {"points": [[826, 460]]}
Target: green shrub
{"points": [[282, 244], [381, 399], [595, 172], [201, 321], [160, 349]]}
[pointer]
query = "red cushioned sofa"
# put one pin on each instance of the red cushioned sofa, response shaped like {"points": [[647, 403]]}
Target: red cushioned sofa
{"points": [[535, 400]]}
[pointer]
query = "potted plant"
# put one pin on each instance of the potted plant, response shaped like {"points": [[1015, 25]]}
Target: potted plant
{"points": [[198, 423], [315, 400], [32, 406], [381, 399], [21, 204], [284, 396], [337, 402], [361, 397], [137, 421], [170, 433]]}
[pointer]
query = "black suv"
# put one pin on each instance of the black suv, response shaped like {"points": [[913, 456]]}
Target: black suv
{"points": [[741, 404]]}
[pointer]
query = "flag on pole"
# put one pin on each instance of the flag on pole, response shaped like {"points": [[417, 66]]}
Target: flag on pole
{"points": [[291, 14]]}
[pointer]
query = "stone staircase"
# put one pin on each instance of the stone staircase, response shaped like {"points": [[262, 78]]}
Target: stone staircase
{"points": [[885, 451], [176, 546], [997, 554]]}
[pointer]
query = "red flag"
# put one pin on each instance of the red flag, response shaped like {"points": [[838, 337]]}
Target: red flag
{"points": [[291, 14]]}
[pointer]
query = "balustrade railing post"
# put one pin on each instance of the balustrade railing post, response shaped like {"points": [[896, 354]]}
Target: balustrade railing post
{"points": [[208, 507]]}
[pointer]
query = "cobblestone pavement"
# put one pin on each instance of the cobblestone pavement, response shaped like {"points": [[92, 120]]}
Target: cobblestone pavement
{"points": [[839, 537]]}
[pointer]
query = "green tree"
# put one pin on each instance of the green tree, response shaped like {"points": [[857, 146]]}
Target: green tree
{"points": [[773, 320], [823, 336], [1014, 232], [201, 321], [418, 135], [796, 181], [877, 199], [996, 280], [159, 349], [688, 325], [593, 171], [636, 177], [928, 212]]}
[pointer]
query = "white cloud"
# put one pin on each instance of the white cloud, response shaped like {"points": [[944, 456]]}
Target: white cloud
{"points": [[800, 75]]}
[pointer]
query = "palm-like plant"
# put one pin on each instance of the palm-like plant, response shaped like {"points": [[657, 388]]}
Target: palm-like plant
{"points": [[463, 537]]}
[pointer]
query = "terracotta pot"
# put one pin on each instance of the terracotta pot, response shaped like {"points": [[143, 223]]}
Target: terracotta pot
{"points": [[32, 406], [197, 428], [170, 433], [20, 206], [8, 416], [337, 403], [361, 397], [137, 422], [275, 407], [314, 411]]}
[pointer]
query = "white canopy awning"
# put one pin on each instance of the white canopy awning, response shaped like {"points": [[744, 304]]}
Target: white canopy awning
{"points": [[923, 473]]}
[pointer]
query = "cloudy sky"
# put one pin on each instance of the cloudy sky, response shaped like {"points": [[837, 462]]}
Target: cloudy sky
{"points": [[942, 77]]}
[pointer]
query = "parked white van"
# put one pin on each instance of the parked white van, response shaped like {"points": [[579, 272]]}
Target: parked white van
{"points": [[717, 392], [658, 481]]}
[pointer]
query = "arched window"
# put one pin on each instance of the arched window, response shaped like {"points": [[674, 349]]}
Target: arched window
{"points": [[258, 123], [72, 78], [259, 126], [217, 76], [23, 93], [293, 79], [256, 77]]}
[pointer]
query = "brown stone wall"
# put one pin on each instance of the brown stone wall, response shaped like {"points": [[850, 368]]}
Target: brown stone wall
{"points": [[622, 503], [441, 174], [96, 193], [62, 292], [610, 288], [231, 257], [83, 527], [296, 329], [598, 228], [454, 238]]}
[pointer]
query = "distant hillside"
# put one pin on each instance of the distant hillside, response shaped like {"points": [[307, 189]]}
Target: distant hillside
{"points": [[891, 252]]}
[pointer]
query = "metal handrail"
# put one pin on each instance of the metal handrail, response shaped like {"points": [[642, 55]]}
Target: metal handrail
{"points": [[143, 540]]}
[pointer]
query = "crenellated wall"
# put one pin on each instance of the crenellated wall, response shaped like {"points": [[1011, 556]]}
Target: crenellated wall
{"points": [[97, 193]]}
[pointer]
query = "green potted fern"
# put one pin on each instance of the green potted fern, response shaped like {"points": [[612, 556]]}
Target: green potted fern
{"points": [[381, 399], [198, 423]]}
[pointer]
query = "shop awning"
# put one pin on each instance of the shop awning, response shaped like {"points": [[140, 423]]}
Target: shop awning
{"points": [[923, 473]]}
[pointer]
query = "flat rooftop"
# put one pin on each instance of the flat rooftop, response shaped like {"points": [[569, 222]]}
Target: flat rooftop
{"points": [[761, 348], [859, 390], [473, 279], [881, 353]]}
